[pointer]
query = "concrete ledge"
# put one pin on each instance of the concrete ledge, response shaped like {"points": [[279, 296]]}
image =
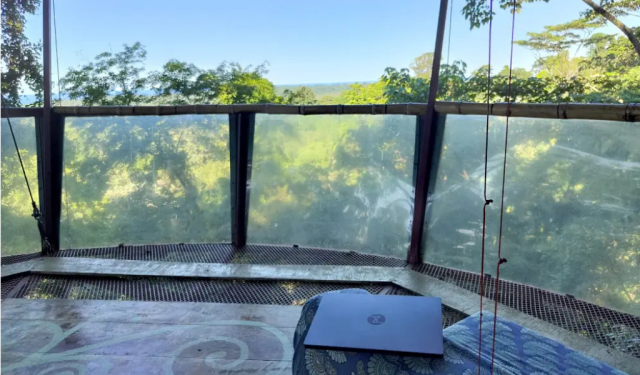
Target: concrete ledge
{"points": [[113, 267], [17, 268]]}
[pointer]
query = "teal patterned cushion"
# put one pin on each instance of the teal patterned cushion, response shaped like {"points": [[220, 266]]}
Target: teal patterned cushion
{"points": [[519, 351]]}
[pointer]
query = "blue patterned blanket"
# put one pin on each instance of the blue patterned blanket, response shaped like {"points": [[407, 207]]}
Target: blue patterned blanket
{"points": [[519, 351]]}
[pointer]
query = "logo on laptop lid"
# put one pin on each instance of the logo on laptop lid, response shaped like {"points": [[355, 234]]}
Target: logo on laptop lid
{"points": [[376, 319]]}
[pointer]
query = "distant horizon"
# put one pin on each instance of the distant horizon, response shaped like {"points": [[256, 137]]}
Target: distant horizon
{"points": [[30, 98], [322, 83]]}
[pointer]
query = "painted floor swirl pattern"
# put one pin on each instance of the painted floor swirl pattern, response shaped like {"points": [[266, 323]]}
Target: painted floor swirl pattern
{"points": [[50, 337]]}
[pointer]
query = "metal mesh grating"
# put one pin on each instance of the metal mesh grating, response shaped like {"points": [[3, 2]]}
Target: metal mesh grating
{"points": [[615, 329], [451, 316], [262, 254], [186, 253], [398, 291], [179, 289], [11, 259], [9, 283], [227, 253]]}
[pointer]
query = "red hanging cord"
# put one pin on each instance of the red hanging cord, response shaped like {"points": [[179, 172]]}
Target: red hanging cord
{"points": [[502, 260], [486, 201]]}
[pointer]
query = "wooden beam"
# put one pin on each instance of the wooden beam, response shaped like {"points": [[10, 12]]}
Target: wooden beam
{"points": [[612, 112]]}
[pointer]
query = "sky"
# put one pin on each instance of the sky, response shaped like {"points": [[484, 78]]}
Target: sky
{"points": [[303, 41]]}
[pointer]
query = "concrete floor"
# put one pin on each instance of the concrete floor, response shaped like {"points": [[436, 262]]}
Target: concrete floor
{"points": [[124, 337]]}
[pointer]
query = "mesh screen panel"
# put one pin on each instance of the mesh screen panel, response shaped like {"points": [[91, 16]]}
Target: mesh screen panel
{"points": [[226, 253], [9, 283], [615, 329], [193, 290], [179, 289]]}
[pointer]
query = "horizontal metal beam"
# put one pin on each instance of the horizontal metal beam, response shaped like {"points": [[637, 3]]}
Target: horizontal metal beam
{"points": [[274, 109], [22, 112], [613, 112], [562, 111]]}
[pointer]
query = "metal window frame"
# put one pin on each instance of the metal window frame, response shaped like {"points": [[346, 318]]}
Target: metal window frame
{"points": [[50, 157], [241, 135], [428, 124], [432, 151]]}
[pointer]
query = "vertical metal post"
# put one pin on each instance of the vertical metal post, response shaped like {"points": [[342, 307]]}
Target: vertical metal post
{"points": [[45, 125], [417, 148], [46, 54], [426, 150], [40, 161], [241, 132], [57, 164]]}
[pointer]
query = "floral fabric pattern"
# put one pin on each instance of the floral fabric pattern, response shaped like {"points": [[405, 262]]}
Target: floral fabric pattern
{"points": [[519, 351]]}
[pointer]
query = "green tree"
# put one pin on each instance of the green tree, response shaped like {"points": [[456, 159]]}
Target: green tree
{"points": [[559, 65], [245, 85], [302, 95], [400, 87], [478, 13], [182, 83], [422, 65], [610, 53], [372, 93], [452, 82], [113, 79], [516, 73], [20, 57]]}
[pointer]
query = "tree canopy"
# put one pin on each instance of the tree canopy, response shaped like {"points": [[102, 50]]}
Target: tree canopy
{"points": [[478, 13], [20, 56]]}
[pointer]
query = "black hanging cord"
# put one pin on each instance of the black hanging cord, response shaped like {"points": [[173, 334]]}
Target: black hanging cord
{"points": [[55, 36], [46, 245]]}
